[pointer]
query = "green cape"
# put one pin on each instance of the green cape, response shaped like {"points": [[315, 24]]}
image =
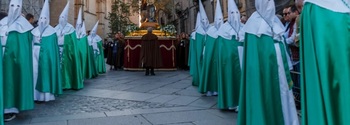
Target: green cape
{"points": [[196, 58], [260, 98], [229, 73], [71, 66], [49, 75], [208, 75], [18, 71], [325, 66], [1, 93]]}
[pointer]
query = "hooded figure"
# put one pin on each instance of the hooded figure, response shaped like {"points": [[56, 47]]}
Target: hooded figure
{"points": [[85, 52], [204, 23], [80, 29], [208, 78], [325, 41], [198, 46], [2, 15], [266, 97], [229, 71], [16, 41], [192, 51], [96, 42], [1, 94], [46, 67], [72, 77]]}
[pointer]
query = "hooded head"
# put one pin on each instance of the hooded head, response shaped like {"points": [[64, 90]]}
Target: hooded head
{"points": [[15, 11], [44, 19], [218, 15], [94, 30], [83, 30], [204, 18], [266, 9], [79, 24], [63, 20], [233, 15], [198, 21]]}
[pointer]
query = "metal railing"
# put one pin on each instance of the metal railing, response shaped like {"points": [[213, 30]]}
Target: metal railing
{"points": [[296, 88]]}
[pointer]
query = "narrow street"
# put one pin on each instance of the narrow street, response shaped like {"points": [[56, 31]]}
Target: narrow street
{"points": [[130, 98]]}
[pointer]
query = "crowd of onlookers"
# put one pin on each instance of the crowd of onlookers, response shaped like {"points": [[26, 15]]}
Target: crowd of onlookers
{"points": [[114, 51]]}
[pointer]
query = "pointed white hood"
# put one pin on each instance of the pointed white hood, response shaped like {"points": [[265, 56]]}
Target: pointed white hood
{"points": [[63, 20], [198, 20], [204, 25], [219, 18], [44, 19], [266, 9], [93, 37], [79, 24], [44, 28], [234, 15], [218, 21], [93, 32], [263, 21], [334, 5], [83, 31], [14, 21], [64, 28], [15, 11], [233, 25]]}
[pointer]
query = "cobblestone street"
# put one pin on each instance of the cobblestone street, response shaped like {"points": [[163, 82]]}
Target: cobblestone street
{"points": [[130, 98]]}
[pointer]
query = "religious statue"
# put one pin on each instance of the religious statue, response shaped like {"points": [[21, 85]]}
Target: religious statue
{"points": [[148, 11], [144, 12], [151, 13]]}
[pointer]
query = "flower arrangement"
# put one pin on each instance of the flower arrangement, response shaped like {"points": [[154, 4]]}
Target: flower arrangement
{"points": [[132, 28], [171, 29]]}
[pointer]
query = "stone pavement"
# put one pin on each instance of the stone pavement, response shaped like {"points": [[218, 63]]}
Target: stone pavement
{"points": [[130, 98]]}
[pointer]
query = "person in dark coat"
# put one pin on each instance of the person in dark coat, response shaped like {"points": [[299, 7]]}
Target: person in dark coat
{"points": [[112, 53], [105, 47], [182, 49], [120, 52], [150, 56]]}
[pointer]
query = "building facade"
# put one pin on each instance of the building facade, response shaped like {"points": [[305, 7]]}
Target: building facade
{"points": [[29, 6], [94, 10], [186, 12], [181, 13]]}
